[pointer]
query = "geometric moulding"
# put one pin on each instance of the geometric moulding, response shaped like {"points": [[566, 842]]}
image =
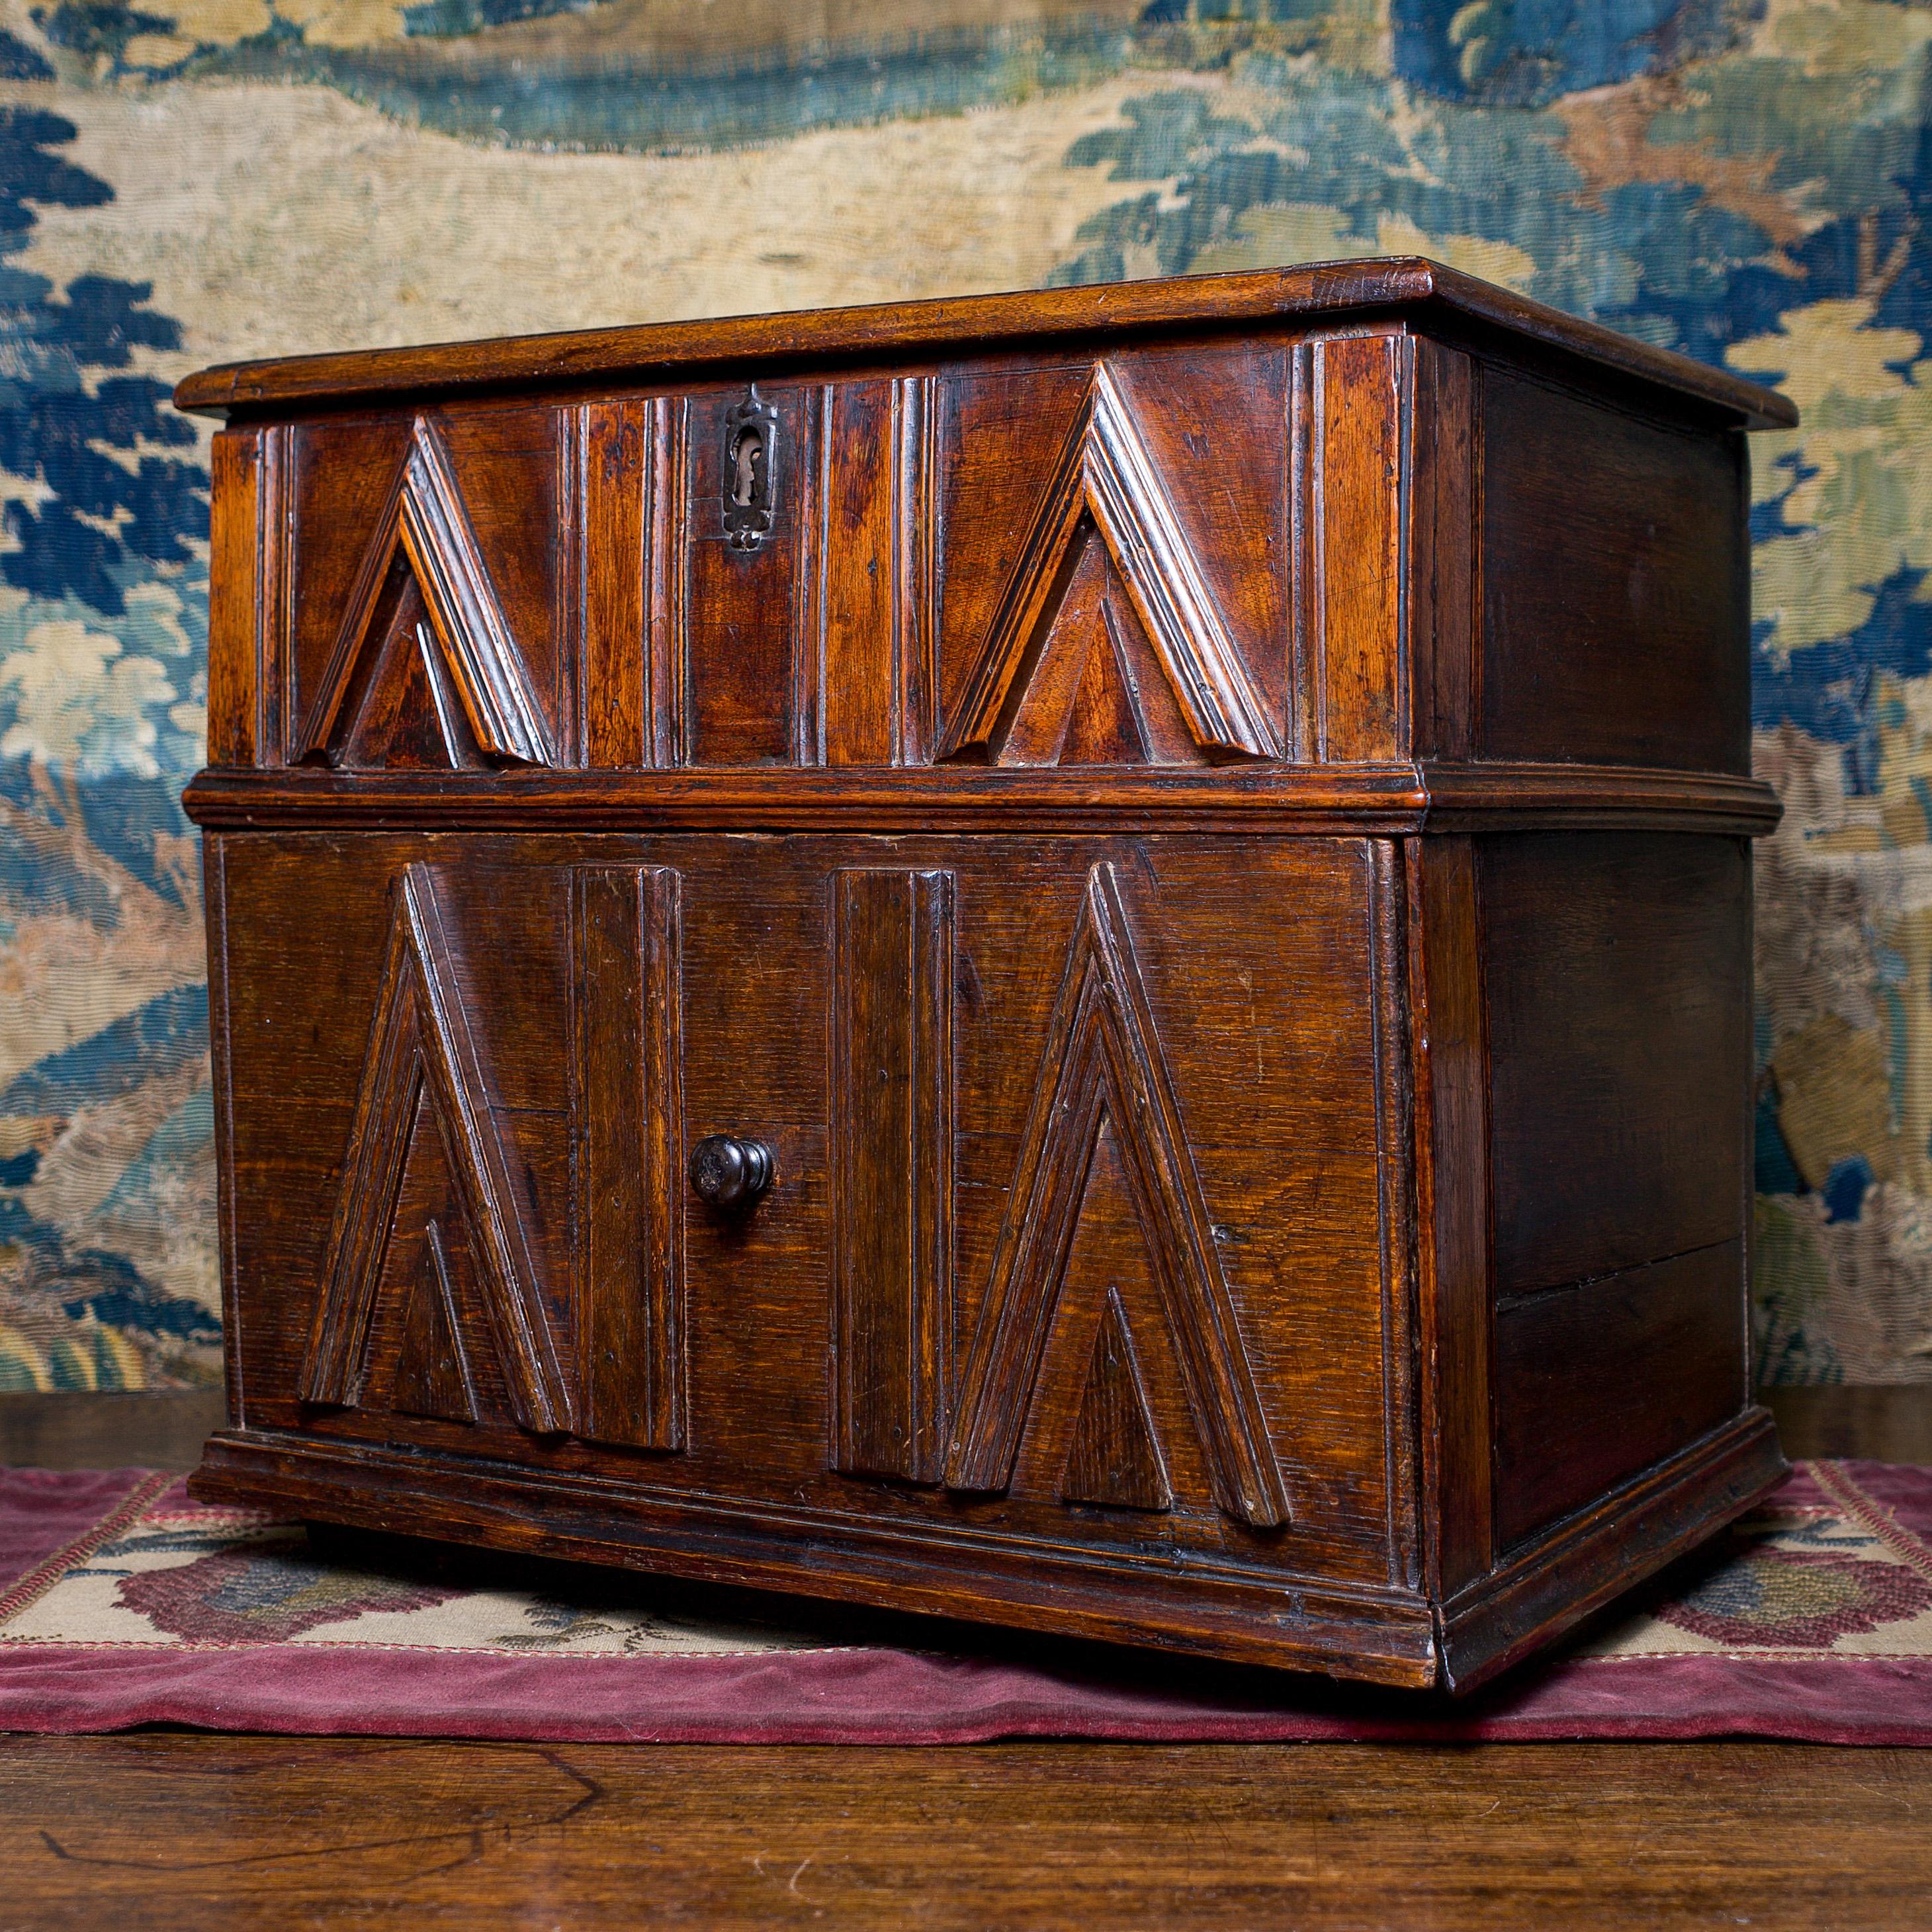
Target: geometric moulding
{"points": [[892, 1181], [1093, 692], [423, 1136], [1114, 1457], [1103, 1085], [627, 1127], [424, 671], [1107, 646], [432, 1375]]}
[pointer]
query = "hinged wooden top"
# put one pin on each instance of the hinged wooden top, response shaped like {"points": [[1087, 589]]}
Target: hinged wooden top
{"points": [[1442, 299]]}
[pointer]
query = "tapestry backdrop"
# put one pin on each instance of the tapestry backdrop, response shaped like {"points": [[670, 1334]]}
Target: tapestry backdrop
{"points": [[185, 181]]}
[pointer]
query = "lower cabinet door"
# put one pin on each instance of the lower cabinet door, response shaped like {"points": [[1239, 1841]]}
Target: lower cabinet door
{"points": [[1002, 1186]]}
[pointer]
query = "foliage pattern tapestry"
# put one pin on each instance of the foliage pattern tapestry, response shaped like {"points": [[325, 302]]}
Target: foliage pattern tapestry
{"points": [[186, 181]]}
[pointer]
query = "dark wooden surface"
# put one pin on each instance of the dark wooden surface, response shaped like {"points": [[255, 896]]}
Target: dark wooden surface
{"points": [[1621, 654], [1618, 967], [1596, 1382], [196, 1833], [165, 1428], [1452, 1061], [202, 1832], [1100, 784], [1321, 291], [1389, 798]]}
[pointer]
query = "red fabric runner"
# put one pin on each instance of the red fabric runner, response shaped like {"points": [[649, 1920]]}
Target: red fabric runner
{"points": [[122, 1602]]}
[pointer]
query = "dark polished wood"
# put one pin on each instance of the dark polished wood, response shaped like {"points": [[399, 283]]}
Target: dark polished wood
{"points": [[1616, 646], [165, 1428], [1444, 298], [1081, 960], [174, 1831], [1381, 798]]}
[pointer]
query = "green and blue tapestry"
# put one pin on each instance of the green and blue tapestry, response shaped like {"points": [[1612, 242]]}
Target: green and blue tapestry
{"points": [[183, 180]]}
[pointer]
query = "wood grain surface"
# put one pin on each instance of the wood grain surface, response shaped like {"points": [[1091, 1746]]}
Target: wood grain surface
{"points": [[195, 1833], [1615, 591], [1321, 291], [164, 1429], [167, 1830]]}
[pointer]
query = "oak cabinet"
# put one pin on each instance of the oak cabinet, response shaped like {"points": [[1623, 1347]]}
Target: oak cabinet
{"points": [[1078, 959]]}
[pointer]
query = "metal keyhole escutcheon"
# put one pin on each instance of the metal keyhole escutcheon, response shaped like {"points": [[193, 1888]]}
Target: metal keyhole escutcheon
{"points": [[730, 1173], [749, 472]]}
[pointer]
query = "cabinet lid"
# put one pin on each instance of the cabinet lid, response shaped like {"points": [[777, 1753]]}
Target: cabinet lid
{"points": [[1436, 299]]}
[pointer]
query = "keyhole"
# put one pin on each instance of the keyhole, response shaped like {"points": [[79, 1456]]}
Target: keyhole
{"points": [[747, 454]]}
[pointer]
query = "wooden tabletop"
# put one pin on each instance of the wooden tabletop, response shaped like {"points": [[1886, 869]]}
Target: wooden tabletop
{"points": [[164, 1830], [1324, 292]]}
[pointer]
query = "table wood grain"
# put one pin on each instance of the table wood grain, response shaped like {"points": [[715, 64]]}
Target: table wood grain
{"points": [[167, 1831]]}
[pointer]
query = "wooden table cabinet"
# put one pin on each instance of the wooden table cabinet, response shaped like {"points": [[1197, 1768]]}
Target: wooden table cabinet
{"points": [[1080, 959]]}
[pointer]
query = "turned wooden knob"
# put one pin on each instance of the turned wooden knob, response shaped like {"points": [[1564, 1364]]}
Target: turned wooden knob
{"points": [[730, 1173]]}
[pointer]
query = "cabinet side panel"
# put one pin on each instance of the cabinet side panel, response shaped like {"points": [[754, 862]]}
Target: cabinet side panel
{"points": [[1604, 1378], [1617, 966], [1616, 592], [1616, 972]]}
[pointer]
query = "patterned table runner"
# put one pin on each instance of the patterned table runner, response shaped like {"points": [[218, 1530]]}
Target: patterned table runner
{"points": [[122, 1602]]}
